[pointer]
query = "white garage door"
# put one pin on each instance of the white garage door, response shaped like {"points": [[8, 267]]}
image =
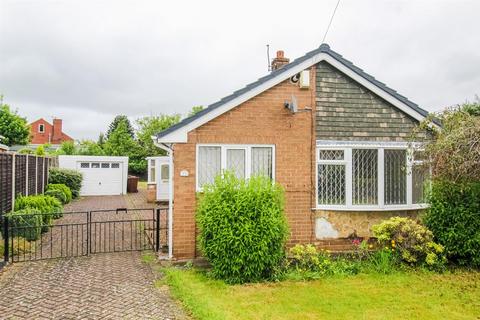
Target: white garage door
{"points": [[101, 178]]}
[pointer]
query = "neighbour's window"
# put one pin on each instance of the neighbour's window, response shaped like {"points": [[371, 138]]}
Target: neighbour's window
{"points": [[95, 165], [41, 128], [115, 165], [152, 177], [368, 177], [84, 165], [243, 160], [165, 172], [105, 165]]}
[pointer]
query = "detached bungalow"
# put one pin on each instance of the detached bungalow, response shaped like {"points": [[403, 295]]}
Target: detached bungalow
{"points": [[335, 137]]}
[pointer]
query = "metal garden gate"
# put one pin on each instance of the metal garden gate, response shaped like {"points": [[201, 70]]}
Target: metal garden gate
{"points": [[40, 236]]}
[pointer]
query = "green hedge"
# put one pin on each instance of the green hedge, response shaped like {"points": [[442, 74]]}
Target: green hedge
{"points": [[50, 207], [58, 194], [243, 228], [63, 188], [71, 178], [454, 219], [26, 223]]}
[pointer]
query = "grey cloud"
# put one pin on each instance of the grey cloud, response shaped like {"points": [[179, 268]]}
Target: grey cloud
{"points": [[89, 60]]}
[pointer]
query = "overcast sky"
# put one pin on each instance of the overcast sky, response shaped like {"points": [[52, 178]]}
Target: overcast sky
{"points": [[87, 61]]}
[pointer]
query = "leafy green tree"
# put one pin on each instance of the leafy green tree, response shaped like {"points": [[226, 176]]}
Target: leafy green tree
{"points": [[101, 140], [67, 148], [116, 122], [89, 148], [121, 143], [40, 151], [149, 126], [13, 127], [195, 110]]}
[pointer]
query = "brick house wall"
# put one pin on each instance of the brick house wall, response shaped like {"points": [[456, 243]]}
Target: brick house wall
{"points": [[41, 137], [261, 120], [52, 133]]}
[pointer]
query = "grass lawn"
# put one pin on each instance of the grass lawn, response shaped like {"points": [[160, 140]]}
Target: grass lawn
{"points": [[367, 296]]}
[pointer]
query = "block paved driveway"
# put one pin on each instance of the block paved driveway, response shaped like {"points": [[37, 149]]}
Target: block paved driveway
{"points": [[99, 286]]}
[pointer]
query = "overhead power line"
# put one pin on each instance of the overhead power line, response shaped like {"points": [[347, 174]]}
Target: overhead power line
{"points": [[330, 23]]}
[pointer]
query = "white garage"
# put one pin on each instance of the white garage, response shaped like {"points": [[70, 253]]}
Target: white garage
{"points": [[102, 175]]}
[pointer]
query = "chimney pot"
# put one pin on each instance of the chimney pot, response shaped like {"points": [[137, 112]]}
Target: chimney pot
{"points": [[279, 60]]}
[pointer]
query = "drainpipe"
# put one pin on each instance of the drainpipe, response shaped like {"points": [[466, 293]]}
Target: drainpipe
{"points": [[169, 150]]}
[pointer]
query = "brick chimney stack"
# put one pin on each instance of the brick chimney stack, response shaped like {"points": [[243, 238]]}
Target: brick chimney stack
{"points": [[57, 131], [279, 61]]}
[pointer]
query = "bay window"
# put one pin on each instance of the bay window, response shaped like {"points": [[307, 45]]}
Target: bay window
{"points": [[369, 176], [243, 160]]}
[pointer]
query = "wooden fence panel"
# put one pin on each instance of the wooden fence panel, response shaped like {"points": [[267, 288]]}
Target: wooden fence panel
{"points": [[20, 175], [45, 172], [32, 178], [39, 173], [6, 164]]}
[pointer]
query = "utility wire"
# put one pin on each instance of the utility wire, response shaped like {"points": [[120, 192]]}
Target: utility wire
{"points": [[330, 23]]}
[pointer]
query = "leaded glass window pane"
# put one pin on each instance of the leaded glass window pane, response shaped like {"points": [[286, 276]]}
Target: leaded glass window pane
{"points": [[209, 165], [365, 176], [331, 184], [236, 162], [420, 175], [331, 154], [262, 161], [395, 175]]}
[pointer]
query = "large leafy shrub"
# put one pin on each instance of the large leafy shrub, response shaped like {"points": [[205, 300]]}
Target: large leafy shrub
{"points": [[243, 228], [454, 151], [454, 218], [26, 223], [412, 241], [71, 178], [63, 188]]}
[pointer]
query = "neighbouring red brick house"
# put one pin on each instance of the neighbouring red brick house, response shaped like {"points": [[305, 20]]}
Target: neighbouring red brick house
{"points": [[43, 132], [331, 134]]}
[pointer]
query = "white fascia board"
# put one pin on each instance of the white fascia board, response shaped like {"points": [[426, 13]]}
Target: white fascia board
{"points": [[181, 134], [333, 144]]}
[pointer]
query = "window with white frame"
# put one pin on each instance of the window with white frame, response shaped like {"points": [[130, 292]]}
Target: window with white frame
{"points": [[376, 176], [165, 172], [243, 160], [152, 173], [41, 128]]}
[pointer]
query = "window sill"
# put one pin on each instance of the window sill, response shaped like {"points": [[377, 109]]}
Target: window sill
{"points": [[373, 208]]}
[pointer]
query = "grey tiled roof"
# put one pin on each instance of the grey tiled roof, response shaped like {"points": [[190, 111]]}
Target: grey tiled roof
{"points": [[324, 48]]}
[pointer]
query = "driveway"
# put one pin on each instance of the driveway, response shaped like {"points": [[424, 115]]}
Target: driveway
{"points": [[99, 286]]}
